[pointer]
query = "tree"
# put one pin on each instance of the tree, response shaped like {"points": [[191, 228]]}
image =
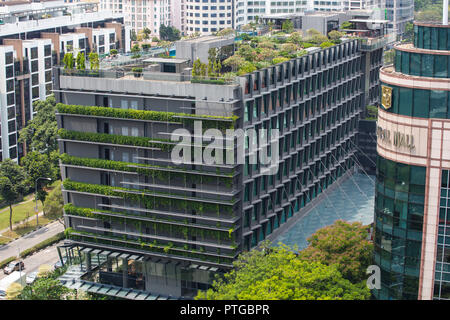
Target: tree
{"points": [[133, 35], [335, 35], [388, 56], [344, 244], [245, 68], [54, 202], [135, 51], [45, 288], [81, 61], [41, 131], [94, 61], [234, 62], [278, 273], [295, 38], [68, 61], [12, 184], [430, 13], [36, 165], [169, 33], [287, 26]]}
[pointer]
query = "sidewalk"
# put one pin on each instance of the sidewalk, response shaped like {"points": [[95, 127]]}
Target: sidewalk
{"points": [[29, 240]]}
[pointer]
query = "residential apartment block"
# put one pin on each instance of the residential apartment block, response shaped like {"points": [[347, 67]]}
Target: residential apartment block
{"points": [[140, 14], [36, 35]]}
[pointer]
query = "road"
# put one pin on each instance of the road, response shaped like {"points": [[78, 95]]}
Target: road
{"points": [[47, 256], [31, 239]]}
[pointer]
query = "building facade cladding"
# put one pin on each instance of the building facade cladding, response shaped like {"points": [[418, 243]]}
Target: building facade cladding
{"points": [[209, 215], [209, 16], [412, 143], [140, 14], [45, 45], [399, 12], [316, 103]]}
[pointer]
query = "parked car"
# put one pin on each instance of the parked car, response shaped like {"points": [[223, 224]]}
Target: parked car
{"points": [[2, 294], [58, 264], [31, 277], [14, 266]]}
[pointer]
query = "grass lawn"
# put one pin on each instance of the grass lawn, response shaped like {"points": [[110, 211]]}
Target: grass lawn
{"points": [[24, 228], [21, 212]]}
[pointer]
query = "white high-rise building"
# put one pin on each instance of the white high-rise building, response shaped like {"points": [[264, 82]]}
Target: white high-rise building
{"points": [[209, 16], [140, 14]]}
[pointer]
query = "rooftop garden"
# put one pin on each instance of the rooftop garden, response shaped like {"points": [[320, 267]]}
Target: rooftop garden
{"points": [[257, 52]]}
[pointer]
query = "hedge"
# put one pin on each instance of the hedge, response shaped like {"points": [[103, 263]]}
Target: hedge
{"points": [[6, 261], [208, 81], [150, 201], [116, 139], [208, 121], [145, 169], [41, 245], [154, 246], [158, 224]]}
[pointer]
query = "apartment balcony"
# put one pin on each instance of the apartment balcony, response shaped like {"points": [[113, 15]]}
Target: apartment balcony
{"points": [[371, 44]]}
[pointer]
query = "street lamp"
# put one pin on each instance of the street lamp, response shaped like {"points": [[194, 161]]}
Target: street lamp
{"points": [[35, 196]]}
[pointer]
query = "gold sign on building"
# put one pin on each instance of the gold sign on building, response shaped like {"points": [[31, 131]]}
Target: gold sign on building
{"points": [[386, 97]]}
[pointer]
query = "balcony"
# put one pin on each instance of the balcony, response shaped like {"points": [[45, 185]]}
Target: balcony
{"points": [[371, 44]]}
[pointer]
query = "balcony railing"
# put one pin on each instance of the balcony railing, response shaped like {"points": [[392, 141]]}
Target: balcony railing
{"points": [[370, 44]]}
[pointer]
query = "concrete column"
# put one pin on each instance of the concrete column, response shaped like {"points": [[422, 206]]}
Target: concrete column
{"points": [[88, 262], [125, 273]]}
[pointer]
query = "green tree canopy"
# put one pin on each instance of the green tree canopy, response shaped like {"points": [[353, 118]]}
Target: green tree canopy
{"points": [[37, 165], [45, 288], [68, 60], [41, 132], [81, 61], [287, 26], [54, 202], [12, 184], [278, 273], [94, 62], [344, 244], [169, 33]]}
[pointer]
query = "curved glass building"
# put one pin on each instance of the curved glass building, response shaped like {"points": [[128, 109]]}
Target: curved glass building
{"points": [[412, 204]]}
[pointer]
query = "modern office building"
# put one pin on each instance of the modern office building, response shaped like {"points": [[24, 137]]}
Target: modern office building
{"points": [[398, 12], [146, 228], [39, 34], [413, 144]]}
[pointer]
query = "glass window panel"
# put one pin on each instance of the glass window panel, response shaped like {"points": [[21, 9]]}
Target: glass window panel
{"points": [[440, 66], [438, 104], [405, 103], [421, 103], [415, 64], [427, 65]]}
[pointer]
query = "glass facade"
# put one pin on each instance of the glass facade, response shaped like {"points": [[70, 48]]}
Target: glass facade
{"points": [[422, 64], [442, 271], [420, 103], [399, 207], [433, 38]]}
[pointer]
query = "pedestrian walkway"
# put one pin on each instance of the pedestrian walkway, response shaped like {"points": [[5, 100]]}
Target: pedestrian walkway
{"points": [[31, 239]]}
